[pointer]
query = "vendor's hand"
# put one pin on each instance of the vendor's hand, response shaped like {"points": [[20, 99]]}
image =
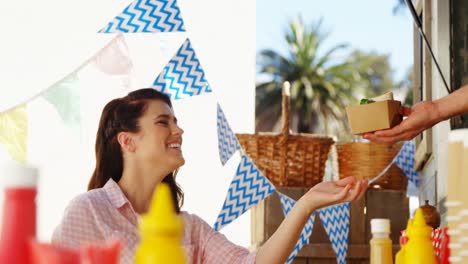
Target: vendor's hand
{"points": [[333, 192], [421, 116]]}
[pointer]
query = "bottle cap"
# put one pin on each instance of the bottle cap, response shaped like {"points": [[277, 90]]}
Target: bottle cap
{"points": [[419, 225], [15, 174], [161, 217], [380, 225]]}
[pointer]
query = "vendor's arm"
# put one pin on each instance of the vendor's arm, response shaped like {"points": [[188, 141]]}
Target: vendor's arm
{"points": [[422, 116], [280, 245]]}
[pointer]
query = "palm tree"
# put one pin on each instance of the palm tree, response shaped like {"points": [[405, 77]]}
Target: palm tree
{"points": [[321, 87]]}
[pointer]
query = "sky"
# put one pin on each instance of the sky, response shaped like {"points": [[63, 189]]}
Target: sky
{"points": [[367, 25]]}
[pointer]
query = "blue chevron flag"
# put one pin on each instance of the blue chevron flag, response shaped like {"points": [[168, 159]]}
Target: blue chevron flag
{"points": [[287, 204], [248, 187], [405, 160], [335, 220], [183, 76], [147, 16], [227, 141]]}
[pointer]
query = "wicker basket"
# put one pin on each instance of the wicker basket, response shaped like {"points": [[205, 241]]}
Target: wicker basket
{"points": [[288, 160], [367, 160]]}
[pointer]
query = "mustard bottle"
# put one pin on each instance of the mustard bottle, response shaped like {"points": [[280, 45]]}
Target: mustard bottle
{"points": [[419, 249], [381, 244], [400, 255], [160, 231]]}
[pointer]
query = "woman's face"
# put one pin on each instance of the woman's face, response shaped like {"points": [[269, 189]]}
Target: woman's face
{"points": [[159, 140]]}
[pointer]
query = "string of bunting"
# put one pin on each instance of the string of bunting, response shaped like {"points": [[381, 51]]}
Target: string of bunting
{"points": [[244, 192], [335, 219], [183, 77], [64, 96], [149, 16]]}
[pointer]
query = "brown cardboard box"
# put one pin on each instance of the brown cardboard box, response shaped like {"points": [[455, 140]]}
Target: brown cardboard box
{"points": [[374, 116]]}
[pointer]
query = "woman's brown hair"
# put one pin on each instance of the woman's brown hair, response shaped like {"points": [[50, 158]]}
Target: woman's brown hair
{"points": [[121, 115]]}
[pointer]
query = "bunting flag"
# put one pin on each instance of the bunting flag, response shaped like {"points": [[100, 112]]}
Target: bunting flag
{"points": [[248, 187], [335, 220], [227, 141], [183, 76], [405, 160], [112, 60], [14, 132], [287, 204], [147, 16], [65, 97]]}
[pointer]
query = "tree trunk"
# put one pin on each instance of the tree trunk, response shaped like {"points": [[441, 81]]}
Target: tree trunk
{"points": [[302, 126], [303, 123], [313, 125]]}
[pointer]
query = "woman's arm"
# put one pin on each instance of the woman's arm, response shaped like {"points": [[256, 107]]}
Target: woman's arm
{"points": [[280, 245], [422, 116]]}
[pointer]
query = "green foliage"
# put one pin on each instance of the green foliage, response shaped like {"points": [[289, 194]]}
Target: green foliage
{"points": [[375, 72], [323, 82], [320, 87], [407, 85]]}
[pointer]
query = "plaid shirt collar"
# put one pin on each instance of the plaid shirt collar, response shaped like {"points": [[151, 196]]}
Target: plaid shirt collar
{"points": [[115, 194]]}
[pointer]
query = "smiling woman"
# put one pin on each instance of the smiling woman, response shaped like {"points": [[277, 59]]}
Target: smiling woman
{"points": [[141, 120], [138, 146]]}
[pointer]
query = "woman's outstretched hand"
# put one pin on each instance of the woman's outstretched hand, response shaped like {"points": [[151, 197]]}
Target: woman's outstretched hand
{"points": [[333, 192], [279, 246]]}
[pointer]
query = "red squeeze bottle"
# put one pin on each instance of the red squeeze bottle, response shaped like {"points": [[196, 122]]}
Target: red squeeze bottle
{"points": [[19, 212]]}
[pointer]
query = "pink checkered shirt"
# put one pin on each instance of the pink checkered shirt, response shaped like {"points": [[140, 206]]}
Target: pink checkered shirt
{"points": [[105, 214]]}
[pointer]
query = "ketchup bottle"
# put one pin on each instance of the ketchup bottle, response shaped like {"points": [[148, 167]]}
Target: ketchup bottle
{"points": [[19, 212]]}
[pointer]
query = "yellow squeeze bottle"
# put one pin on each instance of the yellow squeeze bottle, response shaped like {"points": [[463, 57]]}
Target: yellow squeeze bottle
{"points": [[400, 255], [381, 244], [160, 231], [419, 249]]}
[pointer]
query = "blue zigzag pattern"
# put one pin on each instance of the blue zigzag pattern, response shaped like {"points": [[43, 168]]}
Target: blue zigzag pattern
{"points": [[183, 76], [303, 239], [248, 187], [335, 220], [227, 141], [405, 160], [147, 16], [287, 204]]}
